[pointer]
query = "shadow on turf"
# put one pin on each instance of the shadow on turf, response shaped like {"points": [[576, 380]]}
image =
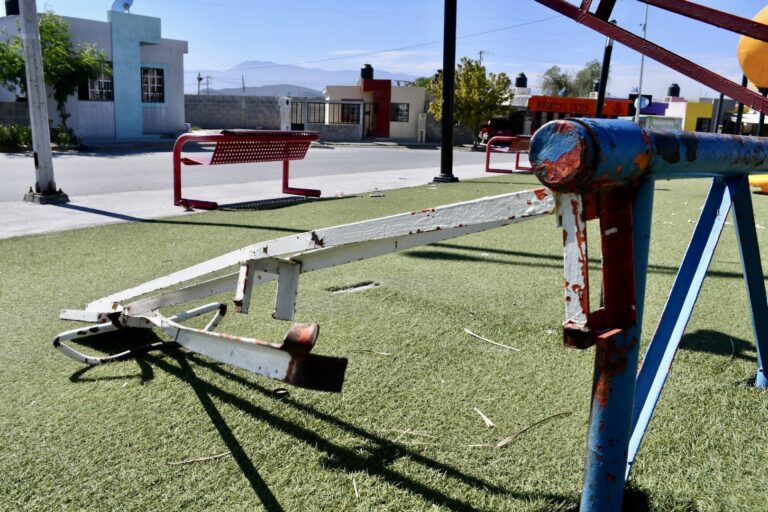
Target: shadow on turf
{"points": [[454, 256], [718, 343], [131, 218], [376, 461]]}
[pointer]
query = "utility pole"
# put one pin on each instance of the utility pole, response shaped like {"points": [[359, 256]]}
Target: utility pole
{"points": [[449, 73], [199, 81], [208, 85], [242, 110], [44, 191], [480, 55], [642, 62]]}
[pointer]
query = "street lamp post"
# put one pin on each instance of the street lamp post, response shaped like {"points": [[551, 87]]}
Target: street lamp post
{"points": [[449, 74], [604, 76]]}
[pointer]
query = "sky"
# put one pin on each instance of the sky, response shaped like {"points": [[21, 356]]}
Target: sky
{"points": [[405, 36]]}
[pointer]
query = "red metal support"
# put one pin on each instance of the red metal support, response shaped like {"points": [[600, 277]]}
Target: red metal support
{"points": [[604, 9], [661, 55], [714, 17], [518, 144]]}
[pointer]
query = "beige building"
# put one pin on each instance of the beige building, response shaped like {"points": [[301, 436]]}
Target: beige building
{"points": [[386, 112]]}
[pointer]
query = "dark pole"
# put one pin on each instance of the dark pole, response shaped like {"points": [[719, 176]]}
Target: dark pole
{"points": [[718, 114], [764, 92], [740, 112], [604, 76], [449, 74]]}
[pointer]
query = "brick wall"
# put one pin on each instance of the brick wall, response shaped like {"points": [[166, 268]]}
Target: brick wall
{"points": [[14, 113], [254, 112]]}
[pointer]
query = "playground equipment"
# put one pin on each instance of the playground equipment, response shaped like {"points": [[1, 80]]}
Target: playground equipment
{"points": [[598, 169], [606, 169], [283, 259]]}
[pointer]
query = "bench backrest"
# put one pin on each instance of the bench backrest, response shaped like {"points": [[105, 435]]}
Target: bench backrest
{"points": [[243, 146]]}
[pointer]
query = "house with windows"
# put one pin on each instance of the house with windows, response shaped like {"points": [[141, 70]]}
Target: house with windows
{"points": [[143, 96], [372, 109]]}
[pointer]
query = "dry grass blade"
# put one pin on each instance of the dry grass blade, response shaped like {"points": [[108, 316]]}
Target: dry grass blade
{"points": [[486, 419], [354, 485], [490, 341], [504, 442], [408, 431], [372, 352], [200, 459]]}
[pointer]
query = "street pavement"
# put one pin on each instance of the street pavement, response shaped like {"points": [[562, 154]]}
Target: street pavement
{"points": [[110, 187]]}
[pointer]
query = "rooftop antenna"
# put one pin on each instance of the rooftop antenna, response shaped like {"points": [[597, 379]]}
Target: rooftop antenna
{"points": [[122, 5]]}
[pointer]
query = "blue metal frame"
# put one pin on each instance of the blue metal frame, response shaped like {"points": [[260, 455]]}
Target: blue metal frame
{"points": [[744, 220], [725, 193], [594, 157]]}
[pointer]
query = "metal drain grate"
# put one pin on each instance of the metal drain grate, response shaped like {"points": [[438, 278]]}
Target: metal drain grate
{"points": [[264, 204]]}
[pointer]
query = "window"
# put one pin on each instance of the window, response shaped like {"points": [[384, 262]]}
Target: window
{"points": [[344, 113], [99, 88], [399, 112], [316, 113], [152, 85]]}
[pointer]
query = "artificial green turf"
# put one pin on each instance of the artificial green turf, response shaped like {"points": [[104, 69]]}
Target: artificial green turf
{"points": [[102, 438]]}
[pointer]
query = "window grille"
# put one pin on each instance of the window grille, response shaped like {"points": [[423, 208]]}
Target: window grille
{"points": [[400, 112], [100, 88], [152, 85]]}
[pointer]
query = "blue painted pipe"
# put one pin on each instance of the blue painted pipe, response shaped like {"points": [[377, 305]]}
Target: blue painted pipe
{"points": [[579, 155]]}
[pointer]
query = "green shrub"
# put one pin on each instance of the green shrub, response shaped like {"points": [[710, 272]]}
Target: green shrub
{"points": [[64, 137], [14, 136]]}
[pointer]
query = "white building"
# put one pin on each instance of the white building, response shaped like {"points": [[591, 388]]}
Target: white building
{"points": [[144, 96]]}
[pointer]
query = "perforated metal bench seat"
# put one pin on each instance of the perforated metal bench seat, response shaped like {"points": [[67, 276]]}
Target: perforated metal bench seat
{"points": [[239, 147]]}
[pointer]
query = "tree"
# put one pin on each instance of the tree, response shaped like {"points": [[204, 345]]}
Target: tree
{"points": [[585, 78], [556, 82], [478, 95], [66, 65]]}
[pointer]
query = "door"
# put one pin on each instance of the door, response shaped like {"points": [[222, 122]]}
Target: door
{"points": [[369, 120]]}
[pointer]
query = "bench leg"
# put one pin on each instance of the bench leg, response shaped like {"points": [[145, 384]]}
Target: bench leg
{"points": [[177, 199], [297, 191]]}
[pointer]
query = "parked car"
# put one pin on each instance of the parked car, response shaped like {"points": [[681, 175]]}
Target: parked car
{"points": [[496, 126]]}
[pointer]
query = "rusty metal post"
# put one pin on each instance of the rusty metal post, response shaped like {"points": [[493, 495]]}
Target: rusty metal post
{"points": [[612, 164]]}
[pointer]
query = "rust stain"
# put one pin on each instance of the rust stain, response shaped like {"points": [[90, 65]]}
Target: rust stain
{"points": [[317, 240], [691, 143], [541, 193], [643, 160], [581, 241], [611, 360]]}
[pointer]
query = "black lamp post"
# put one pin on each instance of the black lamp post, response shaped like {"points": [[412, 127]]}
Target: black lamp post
{"points": [[449, 74]]}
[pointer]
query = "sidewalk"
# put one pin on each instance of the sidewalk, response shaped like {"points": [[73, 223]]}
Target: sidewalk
{"points": [[21, 219]]}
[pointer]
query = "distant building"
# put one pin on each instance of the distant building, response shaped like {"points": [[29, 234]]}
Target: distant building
{"points": [[144, 96], [371, 109]]}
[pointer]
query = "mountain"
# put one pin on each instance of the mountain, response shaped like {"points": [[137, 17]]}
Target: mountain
{"points": [[263, 73], [295, 91]]}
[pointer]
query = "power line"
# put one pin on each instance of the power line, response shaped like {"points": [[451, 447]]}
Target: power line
{"points": [[408, 47]]}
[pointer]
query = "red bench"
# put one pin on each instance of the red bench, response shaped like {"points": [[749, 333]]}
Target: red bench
{"points": [[519, 145], [238, 147]]}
